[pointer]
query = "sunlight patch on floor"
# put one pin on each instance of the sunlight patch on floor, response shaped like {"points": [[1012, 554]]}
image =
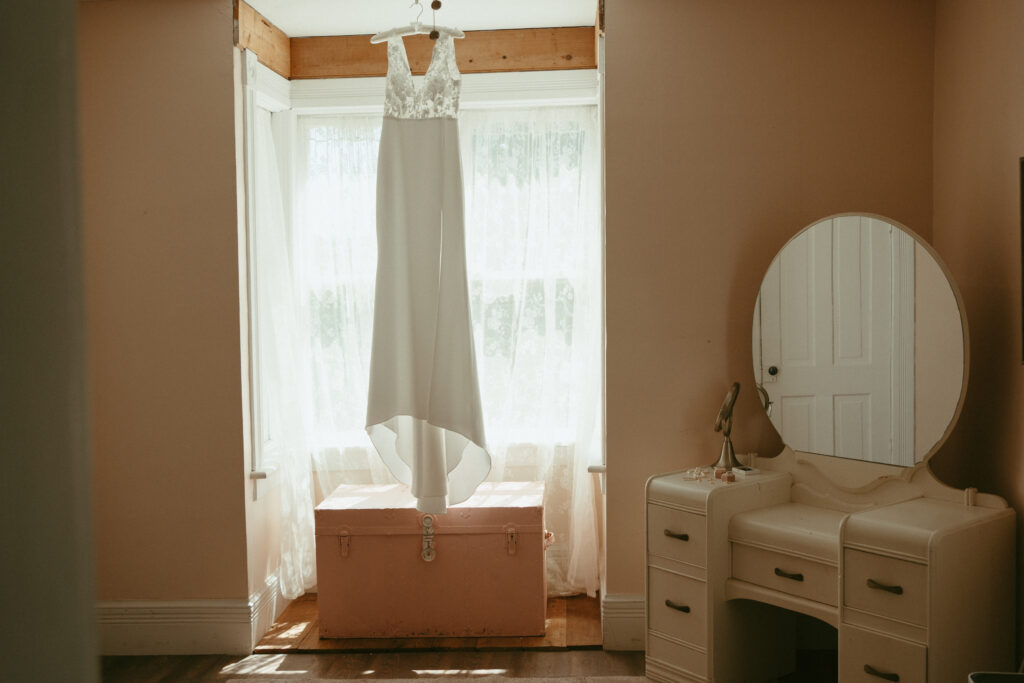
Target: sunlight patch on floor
{"points": [[261, 664], [293, 631], [459, 672], [286, 632]]}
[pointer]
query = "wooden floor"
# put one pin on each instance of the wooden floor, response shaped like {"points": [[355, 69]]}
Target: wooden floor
{"points": [[812, 667], [572, 623], [376, 665], [815, 668], [292, 650]]}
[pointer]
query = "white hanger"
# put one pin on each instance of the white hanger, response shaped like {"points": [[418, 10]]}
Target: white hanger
{"points": [[416, 27]]}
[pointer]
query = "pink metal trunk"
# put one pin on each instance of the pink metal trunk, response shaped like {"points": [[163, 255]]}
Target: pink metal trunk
{"points": [[385, 570]]}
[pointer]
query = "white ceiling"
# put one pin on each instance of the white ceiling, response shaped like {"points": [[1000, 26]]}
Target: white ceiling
{"points": [[358, 17]]}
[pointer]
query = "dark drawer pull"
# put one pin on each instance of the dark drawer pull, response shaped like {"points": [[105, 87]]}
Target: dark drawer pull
{"points": [[678, 608], [681, 537], [788, 575], [896, 590], [868, 669]]}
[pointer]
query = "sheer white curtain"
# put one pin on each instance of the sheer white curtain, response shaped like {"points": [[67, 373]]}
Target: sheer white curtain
{"points": [[282, 366], [534, 259], [336, 258]]}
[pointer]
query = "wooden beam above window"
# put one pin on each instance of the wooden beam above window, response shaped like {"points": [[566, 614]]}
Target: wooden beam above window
{"points": [[270, 44], [542, 49]]}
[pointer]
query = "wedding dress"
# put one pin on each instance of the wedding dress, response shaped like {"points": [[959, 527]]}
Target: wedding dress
{"points": [[423, 413]]}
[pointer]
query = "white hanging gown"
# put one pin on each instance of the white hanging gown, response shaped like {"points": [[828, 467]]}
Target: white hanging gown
{"points": [[423, 413]]}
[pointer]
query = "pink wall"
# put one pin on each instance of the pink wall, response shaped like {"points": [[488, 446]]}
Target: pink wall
{"points": [[979, 138], [731, 125], [162, 298]]}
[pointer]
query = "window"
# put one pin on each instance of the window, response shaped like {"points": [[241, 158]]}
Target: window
{"points": [[533, 243], [534, 258], [271, 353]]}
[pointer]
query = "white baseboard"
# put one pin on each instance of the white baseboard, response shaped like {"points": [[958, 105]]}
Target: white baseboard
{"points": [[195, 627], [622, 620]]}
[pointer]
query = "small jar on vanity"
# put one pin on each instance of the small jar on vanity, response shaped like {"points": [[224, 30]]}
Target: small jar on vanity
{"points": [[860, 360]]}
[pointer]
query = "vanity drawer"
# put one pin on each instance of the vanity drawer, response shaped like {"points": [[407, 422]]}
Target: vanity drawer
{"points": [[786, 573], [885, 586], [677, 606], [676, 535], [680, 656], [866, 657]]}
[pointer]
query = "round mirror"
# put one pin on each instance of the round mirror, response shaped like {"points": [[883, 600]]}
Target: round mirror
{"points": [[859, 342]]}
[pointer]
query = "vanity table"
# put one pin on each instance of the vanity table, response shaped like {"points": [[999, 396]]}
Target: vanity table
{"points": [[847, 525]]}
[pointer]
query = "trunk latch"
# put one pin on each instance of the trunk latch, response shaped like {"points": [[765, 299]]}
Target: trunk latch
{"points": [[428, 553]]}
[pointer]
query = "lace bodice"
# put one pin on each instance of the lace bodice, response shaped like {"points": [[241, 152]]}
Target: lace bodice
{"points": [[438, 95]]}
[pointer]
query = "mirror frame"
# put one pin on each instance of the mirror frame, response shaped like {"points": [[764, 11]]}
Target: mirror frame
{"points": [[857, 475]]}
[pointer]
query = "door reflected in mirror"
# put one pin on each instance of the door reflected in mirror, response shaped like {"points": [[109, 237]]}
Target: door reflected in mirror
{"points": [[858, 343]]}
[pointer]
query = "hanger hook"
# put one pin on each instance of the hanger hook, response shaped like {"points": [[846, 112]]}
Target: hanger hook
{"points": [[417, 3]]}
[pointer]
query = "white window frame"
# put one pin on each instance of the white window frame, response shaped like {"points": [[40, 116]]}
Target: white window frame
{"points": [[261, 89]]}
